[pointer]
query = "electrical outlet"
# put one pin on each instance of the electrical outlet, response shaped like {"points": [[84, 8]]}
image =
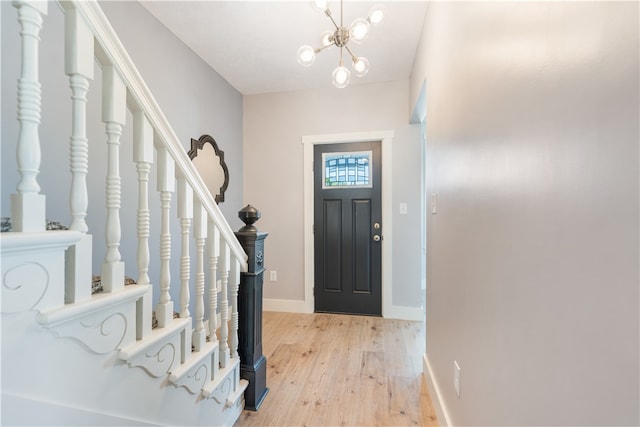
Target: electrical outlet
{"points": [[403, 208], [456, 378], [273, 276]]}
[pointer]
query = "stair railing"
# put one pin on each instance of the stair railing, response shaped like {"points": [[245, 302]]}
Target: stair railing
{"points": [[89, 36]]}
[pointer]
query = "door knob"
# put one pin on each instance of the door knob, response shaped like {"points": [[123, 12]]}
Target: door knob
{"points": [[376, 238]]}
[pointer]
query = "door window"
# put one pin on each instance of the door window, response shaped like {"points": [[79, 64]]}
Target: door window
{"points": [[346, 170]]}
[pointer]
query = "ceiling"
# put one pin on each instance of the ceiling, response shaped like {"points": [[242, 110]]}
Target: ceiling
{"points": [[253, 44]]}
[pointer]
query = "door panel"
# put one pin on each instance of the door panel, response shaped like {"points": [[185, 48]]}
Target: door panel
{"points": [[332, 237], [362, 245], [347, 258]]}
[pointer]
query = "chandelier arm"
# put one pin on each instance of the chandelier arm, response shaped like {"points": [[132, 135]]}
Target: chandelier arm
{"points": [[353, 57], [320, 49], [328, 13]]}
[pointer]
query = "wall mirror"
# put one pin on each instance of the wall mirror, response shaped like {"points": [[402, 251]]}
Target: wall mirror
{"points": [[208, 160]]}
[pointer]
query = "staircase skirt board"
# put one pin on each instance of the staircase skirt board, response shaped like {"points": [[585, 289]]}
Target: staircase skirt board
{"points": [[16, 407]]}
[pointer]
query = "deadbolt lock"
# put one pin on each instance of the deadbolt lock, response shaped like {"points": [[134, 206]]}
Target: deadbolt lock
{"points": [[376, 225]]}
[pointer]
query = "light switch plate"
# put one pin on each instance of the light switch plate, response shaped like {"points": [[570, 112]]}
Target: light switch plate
{"points": [[456, 377]]}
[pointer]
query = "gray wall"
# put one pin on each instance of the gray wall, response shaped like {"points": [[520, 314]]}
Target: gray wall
{"points": [[274, 125], [532, 147], [195, 99], [193, 96]]}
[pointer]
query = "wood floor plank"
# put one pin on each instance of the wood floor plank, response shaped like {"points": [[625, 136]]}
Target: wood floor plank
{"points": [[372, 366], [339, 370]]}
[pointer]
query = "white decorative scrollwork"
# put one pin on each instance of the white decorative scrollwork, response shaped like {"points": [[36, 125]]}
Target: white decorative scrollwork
{"points": [[157, 363], [23, 286], [100, 337], [195, 379]]}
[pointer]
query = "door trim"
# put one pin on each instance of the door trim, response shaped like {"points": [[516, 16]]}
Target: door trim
{"points": [[308, 141]]}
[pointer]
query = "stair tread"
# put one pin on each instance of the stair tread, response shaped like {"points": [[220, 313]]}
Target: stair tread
{"points": [[99, 301]]}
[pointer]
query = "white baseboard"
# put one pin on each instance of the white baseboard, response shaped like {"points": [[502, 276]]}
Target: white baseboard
{"points": [[285, 305], [404, 313], [434, 391], [299, 306]]}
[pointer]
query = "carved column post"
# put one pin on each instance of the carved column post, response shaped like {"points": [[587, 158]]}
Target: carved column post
{"points": [[253, 364], [28, 205]]}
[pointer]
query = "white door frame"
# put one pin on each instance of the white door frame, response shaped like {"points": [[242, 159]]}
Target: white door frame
{"points": [[386, 138]]}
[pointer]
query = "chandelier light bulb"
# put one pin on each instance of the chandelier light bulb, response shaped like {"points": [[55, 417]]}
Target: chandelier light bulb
{"points": [[327, 38], [376, 14], [341, 77], [361, 65], [359, 30], [306, 55]]}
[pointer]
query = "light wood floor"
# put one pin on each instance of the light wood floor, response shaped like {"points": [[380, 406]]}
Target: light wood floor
{"points": [[338, 370]]}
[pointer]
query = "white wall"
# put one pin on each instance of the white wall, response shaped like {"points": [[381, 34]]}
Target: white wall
{"points": [[274, 125], [195, 99], [532, 147]]}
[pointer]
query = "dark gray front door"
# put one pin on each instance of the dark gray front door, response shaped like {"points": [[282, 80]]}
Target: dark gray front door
{"points": [[348, 228]]}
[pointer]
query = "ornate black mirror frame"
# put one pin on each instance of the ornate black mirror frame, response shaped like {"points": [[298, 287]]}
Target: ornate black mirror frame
{"points": [[198, 144]]}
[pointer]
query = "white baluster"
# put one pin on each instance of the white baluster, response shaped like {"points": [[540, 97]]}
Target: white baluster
{"points": [[79, 67], [79, 154], [200, 234], [79, 62], [143, 157], [225, 261], [235, 283], [214, 252], [166, 186], [28, 207], [114, 113], [185, 213], [213, 247]]}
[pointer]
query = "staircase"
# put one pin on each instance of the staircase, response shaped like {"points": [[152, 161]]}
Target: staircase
{"points": [[73, 357]]}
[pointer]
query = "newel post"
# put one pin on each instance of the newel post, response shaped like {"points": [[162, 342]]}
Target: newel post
{"points": [[253, 364]]}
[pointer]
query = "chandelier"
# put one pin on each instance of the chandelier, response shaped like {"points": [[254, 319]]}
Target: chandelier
{"points": [[340, 37]]}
